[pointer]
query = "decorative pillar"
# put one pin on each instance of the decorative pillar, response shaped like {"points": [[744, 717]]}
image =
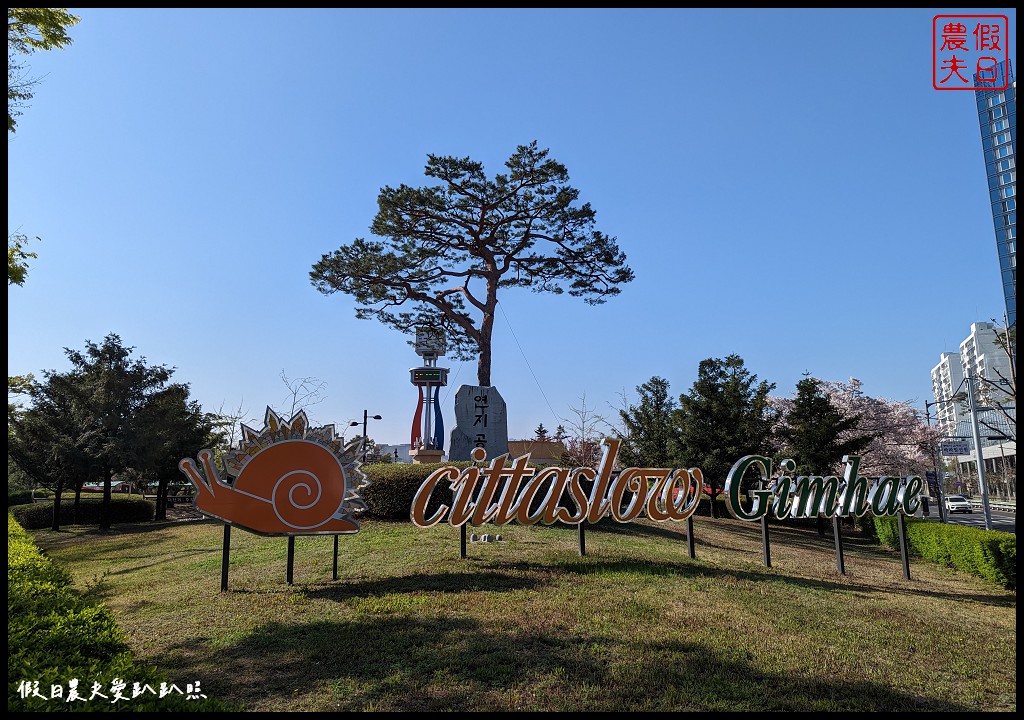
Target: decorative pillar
{"points": [[427, 437]]}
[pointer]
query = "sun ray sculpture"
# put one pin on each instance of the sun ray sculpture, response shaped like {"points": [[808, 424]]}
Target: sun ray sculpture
{"points": [[286, 479]]}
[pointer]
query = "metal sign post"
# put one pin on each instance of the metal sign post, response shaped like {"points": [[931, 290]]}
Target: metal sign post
{"points": [[904, 555], [840, 565], [291, 558], [224, 557], [689, 537], [766, 542], [334, 575]]}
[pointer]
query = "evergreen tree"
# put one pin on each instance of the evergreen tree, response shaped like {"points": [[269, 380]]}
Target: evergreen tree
{"points": [[541, 433], [46, 441], [649, 437], [816, 433], [725, 416], [171, 427], [109, 414]]}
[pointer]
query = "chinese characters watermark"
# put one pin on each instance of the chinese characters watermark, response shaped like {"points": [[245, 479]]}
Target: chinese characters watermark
{"points": [[967, 51], [118, 691]]}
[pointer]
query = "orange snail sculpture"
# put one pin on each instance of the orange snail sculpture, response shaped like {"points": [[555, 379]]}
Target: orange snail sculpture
{"points": [[289, 479]]}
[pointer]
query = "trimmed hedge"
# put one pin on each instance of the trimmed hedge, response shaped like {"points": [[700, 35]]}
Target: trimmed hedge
{"points": [[39, 515], [55, 635], [19, 497], [393, 485], [989, 554]]}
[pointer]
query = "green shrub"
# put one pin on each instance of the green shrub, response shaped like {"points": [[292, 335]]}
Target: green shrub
{"points": [[56, 635], [989, 554], [122, 510], [18, 497], [392, 487]]}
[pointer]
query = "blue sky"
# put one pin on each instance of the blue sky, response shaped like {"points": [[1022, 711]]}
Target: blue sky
{"points": [[787, 185]]}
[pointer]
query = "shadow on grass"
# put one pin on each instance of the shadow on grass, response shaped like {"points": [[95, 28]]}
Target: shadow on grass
{"points": [[456, 664], [444, 582], [785, 537], [164, 558], [505, 576]]}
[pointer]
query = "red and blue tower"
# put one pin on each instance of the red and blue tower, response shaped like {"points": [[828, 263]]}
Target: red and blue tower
{"points": [[427, 436]]}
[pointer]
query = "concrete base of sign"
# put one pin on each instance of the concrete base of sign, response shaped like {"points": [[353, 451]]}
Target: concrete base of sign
{"points": [[423, 456]]}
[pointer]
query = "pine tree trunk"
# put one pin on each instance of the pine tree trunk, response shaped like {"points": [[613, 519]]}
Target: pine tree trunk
{"points": [[483, 367]]}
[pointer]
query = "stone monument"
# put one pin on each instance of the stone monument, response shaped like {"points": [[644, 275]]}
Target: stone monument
{"points": [[481, 420]]}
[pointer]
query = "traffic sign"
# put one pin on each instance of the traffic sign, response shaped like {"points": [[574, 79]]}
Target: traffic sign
{"points": [[950, 447]]}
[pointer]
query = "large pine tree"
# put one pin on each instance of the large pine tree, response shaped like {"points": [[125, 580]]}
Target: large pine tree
{"points": [[446, 251]]}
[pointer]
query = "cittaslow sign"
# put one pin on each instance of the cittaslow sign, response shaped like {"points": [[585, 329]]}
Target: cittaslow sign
{"points": [[530, 496]]}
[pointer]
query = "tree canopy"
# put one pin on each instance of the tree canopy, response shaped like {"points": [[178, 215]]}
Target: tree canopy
{"points": [[446, 250], [109, 414], [817, 432], [29, 30], [46, 441], [17, 258], [725, 416], [649, 438]]}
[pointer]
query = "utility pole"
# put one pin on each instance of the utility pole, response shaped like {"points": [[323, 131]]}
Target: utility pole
{"points": [[939, 475], [978, 457]]}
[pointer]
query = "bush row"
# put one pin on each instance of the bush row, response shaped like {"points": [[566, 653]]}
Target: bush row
{"points": [[393, 485], [39, 515], [989, 554], [55, 636], [22, 497]]}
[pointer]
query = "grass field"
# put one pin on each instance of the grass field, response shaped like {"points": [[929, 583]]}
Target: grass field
{"points": [[529, 624]]}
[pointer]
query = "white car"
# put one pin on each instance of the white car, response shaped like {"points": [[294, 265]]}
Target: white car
{"points": [[958, 503]]}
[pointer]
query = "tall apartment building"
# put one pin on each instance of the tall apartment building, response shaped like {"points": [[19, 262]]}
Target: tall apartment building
{"points": [[997, 118], [947, 379], [988, 362]]}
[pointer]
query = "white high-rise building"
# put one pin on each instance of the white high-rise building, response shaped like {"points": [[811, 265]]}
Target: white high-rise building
{"points": [[947, 379], [989, 363], [982, 353]]}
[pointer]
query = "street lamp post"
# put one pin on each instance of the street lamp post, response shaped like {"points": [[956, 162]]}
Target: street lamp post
{"points": [[978, 457], [1002, 463], [362, 444], [939, 475]]}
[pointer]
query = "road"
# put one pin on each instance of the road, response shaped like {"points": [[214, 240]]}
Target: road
{"points": [[1002, 521]]}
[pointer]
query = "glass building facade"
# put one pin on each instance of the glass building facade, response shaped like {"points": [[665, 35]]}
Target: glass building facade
{"points": [[997, 117]]}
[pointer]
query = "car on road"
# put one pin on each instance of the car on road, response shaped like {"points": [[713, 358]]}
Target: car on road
{"points": [[958, 503]]}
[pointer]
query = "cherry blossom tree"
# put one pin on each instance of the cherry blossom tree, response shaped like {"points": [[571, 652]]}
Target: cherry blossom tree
{"points": [[902, 443]]}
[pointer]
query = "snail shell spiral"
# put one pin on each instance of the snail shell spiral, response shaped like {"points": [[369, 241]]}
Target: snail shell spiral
{"points": [[304, 481]]}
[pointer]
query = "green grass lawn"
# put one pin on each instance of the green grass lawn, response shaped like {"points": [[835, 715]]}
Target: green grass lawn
{"points": [[529, 624]]}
